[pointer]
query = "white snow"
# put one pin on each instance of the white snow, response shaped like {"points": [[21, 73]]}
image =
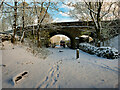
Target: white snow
{"points": [[64, 20], [106, 52], [84, 36], [113, 42], [58, 70]]}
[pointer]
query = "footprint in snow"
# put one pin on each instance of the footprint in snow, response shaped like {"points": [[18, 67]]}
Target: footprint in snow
{"points": [[19, 77], [52, 77]]}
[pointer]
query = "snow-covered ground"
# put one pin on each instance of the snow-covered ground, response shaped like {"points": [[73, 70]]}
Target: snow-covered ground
{"points": [[59, 70], [113, 42]]}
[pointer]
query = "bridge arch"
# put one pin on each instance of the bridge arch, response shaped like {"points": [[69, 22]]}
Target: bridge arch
{"points": [[72, 38]]}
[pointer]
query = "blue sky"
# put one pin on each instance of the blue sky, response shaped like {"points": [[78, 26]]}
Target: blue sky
{"points": [[63, 15], [57, 16]]}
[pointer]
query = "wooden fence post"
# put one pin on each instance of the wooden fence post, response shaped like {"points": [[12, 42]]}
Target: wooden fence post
{"points": [[77, 53]]}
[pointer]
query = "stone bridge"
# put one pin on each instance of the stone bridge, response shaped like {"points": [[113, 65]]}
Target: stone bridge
{"points": [[70, 29]]}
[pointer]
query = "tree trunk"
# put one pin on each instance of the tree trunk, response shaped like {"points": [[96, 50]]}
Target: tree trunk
{"points": [[22, 38], [38, 34], [33, 32], [97, 22], [1, 4], [38, 38], [23, 14], [14, 25], [39, 23]]}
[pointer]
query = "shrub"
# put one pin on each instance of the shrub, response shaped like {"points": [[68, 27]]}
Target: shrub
{"points": [[105, 52]]}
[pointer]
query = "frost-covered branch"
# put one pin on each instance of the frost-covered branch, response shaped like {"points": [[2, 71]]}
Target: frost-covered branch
{"points": [[45, 13], [90, 7], [107, 11]]}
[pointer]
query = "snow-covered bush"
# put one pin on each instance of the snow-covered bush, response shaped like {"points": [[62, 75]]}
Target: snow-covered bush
{"points": [[88, 48], [106, 52]]}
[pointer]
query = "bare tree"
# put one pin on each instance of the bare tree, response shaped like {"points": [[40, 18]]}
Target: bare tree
{"points": [[95, 12], [95, 15], [23, 13], [15, 20], [30, 13], [40, 17]]}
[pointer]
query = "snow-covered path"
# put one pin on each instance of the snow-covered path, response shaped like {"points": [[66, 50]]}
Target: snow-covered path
{"points": [[58, 70], [88, 71]]}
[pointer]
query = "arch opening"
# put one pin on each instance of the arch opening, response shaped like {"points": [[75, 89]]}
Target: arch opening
{"points": [[60, 41], [68, 34]]}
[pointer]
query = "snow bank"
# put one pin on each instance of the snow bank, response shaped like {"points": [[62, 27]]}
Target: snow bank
{"points": [[106, 52], [113, 42]]}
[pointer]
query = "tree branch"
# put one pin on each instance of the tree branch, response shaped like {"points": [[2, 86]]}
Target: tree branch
{"points": [[92, 16], [45, 13], [1, 3], [107, 11], [90, 8], [8, 5]]}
